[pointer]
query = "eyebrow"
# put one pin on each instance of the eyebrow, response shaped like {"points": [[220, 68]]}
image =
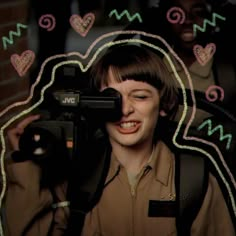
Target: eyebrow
{"points": [[195, 5], [141, 90], [202, 5]]}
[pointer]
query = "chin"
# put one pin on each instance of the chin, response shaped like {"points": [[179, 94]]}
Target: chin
{"points": [[188, 46], [126, 142], [129, 143], [184, 45], [134, 143]]}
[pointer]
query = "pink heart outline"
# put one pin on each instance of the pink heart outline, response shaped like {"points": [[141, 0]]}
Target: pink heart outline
{"points": [[82, 25], [203, 55], [22, 62]]}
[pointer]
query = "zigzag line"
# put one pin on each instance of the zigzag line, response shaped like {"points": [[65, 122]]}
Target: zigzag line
{"points": [[206, 21], [9, 40], [211, 131], [125, 12]]}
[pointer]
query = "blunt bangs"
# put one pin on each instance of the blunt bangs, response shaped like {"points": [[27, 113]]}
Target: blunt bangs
{"points": [[133, 62]]}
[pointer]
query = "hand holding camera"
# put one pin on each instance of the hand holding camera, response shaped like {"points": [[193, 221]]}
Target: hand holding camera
{"points": [[54, 140], [15, 133]]}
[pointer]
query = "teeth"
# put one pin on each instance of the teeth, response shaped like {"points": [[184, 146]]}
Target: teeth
{"points": [[128, 124]]}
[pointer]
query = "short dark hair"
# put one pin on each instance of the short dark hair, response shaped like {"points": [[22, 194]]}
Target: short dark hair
{"points": [[138, 63]]}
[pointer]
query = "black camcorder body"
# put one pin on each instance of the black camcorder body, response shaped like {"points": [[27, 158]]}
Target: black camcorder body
{"points": [[65, 126]]}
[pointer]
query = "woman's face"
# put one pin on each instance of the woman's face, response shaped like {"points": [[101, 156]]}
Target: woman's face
{"points": [[140, 111], [195, 13]]}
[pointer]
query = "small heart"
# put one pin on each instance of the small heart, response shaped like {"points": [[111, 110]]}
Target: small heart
{"points": [[82, 25], [203, 55], [23, 62]]}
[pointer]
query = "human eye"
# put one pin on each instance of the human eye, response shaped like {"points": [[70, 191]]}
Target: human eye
{"points": [[140, 95], [199, 12]]}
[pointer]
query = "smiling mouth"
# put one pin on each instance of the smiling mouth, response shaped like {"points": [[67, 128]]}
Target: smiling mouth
{"points": [[128, 127], [187, 36]]}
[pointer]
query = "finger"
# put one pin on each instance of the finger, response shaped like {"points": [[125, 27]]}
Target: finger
{"points": [[13, 137], [15, 133], [24, 123]]}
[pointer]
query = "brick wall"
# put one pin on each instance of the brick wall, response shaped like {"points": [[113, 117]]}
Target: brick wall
{"points": [[13, 88]]}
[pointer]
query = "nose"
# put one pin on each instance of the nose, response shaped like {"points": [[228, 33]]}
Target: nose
{"points": [[189, 18], [127, 106]]}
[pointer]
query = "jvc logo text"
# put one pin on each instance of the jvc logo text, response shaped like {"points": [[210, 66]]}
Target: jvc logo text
{"points": [[69, 100]]}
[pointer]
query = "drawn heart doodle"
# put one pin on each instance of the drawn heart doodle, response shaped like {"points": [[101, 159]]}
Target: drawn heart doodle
{"points": [[203, 55], [82, 25], [23, 62]]}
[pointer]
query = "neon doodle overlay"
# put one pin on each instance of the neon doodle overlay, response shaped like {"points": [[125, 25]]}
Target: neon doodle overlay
{"points": [[23, 62], [175, 15], [206, 21], [82, 25], [92, 56], [212, 95], [210, 131], [47, 22], [203, 55], [127, 14], [17, 33]]}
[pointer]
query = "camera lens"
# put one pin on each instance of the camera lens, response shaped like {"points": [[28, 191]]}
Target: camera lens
{"points": [[37, 143]]}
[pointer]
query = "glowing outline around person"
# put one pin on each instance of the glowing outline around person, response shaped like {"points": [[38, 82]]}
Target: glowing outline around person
{"points": [[85, 68]]}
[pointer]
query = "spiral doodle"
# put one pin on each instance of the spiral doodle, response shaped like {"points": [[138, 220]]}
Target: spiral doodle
{"points": [[47, 22], [175, 15], [212, 95]]}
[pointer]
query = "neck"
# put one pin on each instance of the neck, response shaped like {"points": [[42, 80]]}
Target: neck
{"points": [[133, 158], [186, 56]]}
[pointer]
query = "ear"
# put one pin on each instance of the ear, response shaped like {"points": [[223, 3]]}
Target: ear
{"points": [[162, 113]]}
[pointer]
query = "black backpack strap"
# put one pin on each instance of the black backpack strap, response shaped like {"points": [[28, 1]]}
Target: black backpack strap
{"points": [[225, 77], [87, 181], [191, 181]]}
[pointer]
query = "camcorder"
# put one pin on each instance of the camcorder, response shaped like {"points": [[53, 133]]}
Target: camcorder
{"points": [[70, 119]]}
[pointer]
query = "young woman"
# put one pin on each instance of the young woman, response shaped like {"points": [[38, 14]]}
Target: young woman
{"points": [[141, 171]]}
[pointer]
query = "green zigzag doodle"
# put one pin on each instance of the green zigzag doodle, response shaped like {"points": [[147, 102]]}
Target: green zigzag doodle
{"points": [[211, 131], [125, 12], [9, 40], [212, 23]]}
